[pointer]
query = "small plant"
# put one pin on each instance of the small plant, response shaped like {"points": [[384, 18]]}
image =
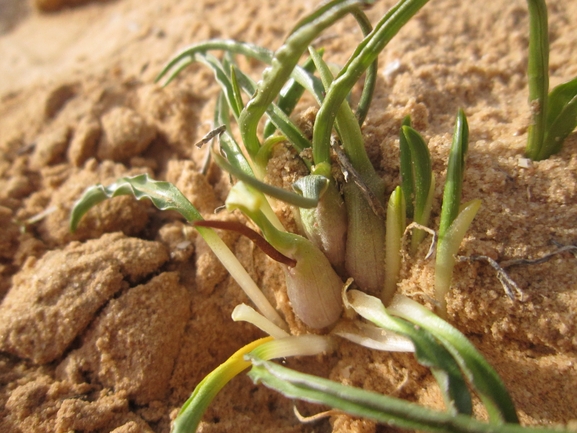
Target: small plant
{"points": [[353, 233], [554, 115]]}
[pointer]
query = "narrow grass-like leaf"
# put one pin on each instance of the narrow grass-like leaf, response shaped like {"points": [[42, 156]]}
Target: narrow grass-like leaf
{"points": [[277, 116], [365, 54], [407, 182], [191, 412], [454, 222], [236, 157], [163, 195], [227, 142], [350, 134], [396, 223], [289, 96], [222, 78], [166, 196], [300, 345], [423, 181], [447, 248], [236, 88], [187, 56], [455, 173], [285, 60], [428, 351], [538, 77], [482, 376], [371, 75], [367, 404], [561, 117], [265, 188]]}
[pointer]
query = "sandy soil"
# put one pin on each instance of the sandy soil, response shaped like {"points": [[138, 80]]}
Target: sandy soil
{"points": [[110, 328]]}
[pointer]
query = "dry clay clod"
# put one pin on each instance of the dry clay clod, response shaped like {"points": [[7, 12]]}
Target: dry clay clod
{"points": [[54, 298]]}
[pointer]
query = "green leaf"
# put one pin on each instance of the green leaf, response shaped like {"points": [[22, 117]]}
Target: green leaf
{"points": [[371, 75], [455, 174], [193, 409], [365, 54], [482, 376], [265, 188], [164, 195], [228, 144], [407, 182], [367, 404], [290, 95], [277, 116], [423, 181], [286, 58], [428, 351], [226, 82], [421, 171], [561, 117], [187, 56]]}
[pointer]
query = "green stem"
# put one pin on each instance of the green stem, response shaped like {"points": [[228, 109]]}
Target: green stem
{"points": [[538, 76], [364, 55], [283, 63]]}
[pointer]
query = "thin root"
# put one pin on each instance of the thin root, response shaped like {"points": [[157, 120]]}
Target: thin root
{"points": [[314, 418], [546, 257], [506, 281], [401, 385], [432, 232], [509, 285]]}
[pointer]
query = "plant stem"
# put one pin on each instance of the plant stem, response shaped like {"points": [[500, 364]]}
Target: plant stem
{"points": [[364, 55], [283, 63], [538, 76]]}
